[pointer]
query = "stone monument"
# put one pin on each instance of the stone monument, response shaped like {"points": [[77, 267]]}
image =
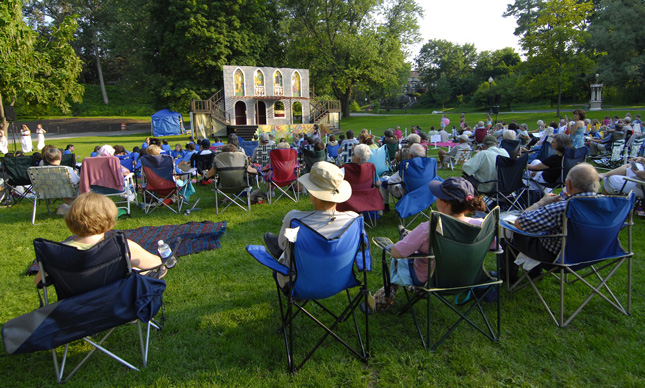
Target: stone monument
{"points": [[596, 95]]}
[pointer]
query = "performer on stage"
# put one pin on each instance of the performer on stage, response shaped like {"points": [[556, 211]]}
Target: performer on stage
{"points": [[4, 145], [41, 137], [25, 139]]}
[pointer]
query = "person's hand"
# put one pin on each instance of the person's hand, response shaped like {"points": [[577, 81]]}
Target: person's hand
{"points": [[549, 199]]}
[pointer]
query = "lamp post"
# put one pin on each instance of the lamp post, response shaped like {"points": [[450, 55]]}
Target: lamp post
{"points": [[490, 98]]}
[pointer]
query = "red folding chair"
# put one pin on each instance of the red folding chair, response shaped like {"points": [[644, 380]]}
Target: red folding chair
{"points": [[285, 171], [365, 195]]}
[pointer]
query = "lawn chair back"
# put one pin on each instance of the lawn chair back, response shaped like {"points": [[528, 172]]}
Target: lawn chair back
{"points": [[459, 249], [392, 149], [101, 173], [571, 158], [332, 151], [510, 173], [325, 266], [417, 172], [68, 160], [16, 170], [75, 271], [203, 162], [379, 159], [511, 146], [52, 182], [230, 168], [284, 163], [592, 228], [360, 176], [311, 157], [158, 173], [262, 154], [249, 146]]}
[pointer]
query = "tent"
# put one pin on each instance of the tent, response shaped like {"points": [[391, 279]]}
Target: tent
{"points": [[166, 123]]}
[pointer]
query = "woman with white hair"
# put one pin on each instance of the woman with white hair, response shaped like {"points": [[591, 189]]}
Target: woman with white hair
{"points": [[362, 154]]}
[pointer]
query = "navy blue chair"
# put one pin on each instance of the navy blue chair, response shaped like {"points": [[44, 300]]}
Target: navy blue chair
{"points": [[416, 175], [591, 252], [321, 268]]}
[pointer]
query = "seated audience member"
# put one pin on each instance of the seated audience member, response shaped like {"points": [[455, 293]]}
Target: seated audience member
{"points": [[445, 156], [178, 152], [455, 197], [482, 165], [410, 140], [614, 181], [145, 144], [184, 163], [600, 146], [217, 143], [69, 149], [119, 150], [510, 143], [326, 188], [107, 150], [95, 152], [523, 134], [227, 148], [264, 140], [545, 216], [394, 186], [362, 154], [165, 146], [43, 160], [91, 216], [547, 133], [549, 170], [53, 158], [498, 131], [233, 139], [445, 136], [369, 142], [346, 151], [271, 139], [136, 153], [480, 132]]}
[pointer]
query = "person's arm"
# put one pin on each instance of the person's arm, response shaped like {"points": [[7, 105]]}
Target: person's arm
{"points": [[544, 201], [142, 259], [538, 167]]}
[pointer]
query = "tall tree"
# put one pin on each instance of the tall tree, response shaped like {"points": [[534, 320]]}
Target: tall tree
{"points": [[616, 32], [41, 69], [351, 44], [188, 42], [554, 43]]}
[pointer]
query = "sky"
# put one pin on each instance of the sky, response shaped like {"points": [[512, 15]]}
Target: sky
{"points": [[468, 21]]}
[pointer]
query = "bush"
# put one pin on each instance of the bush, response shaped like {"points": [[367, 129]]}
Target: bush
{"points": [[354, 107]]}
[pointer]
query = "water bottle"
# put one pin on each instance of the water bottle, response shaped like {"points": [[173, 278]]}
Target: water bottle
{"points": [[166, 254]]}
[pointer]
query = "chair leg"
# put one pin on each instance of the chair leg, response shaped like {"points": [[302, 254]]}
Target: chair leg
{"points": [[33, 213]]}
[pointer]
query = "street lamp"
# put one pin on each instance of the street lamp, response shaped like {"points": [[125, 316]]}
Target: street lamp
{"points": [[490, 98]]}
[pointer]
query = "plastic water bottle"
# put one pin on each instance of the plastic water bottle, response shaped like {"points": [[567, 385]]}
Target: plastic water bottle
{"points": [[166, 254]]}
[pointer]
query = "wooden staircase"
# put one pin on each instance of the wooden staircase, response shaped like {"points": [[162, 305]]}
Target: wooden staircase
{"points": [[214, 106]]}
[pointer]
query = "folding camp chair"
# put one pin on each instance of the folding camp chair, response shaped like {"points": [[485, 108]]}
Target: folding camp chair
{"points": [[319, 269], [103, 175], [379, 158], [249, 146], [97, 291], [232, 181], [591, 253], [458, 250], [284, 175], [332, 151], [463, 154], [262, 154], [345, 153], [69, 160], [510, 191], [51, 182], [615, 159], [17, 184], [158, 183], [570, 158], [129, 162], [202, 162], [512, 147], [366, 197], [392, 149], [312, 157], [416, 174], [633, 147]]}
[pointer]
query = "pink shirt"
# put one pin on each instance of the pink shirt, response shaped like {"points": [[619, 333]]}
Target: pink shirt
{"points": [[417, 241]]}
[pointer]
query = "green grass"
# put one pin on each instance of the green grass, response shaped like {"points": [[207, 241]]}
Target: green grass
{"points": [[222, 319]]}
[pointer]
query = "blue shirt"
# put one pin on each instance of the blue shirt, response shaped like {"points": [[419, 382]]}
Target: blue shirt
{"points": [[67, 152], [165, 147]]}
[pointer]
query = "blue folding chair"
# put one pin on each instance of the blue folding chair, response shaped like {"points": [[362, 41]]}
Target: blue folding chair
{"points": [[416, 175], [332, 151], [249, 146], [97, 290], [591, 252], [319, 269]]}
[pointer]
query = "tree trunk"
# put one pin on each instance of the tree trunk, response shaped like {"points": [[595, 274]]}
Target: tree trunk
{"points": [[5, 123], [344, 103], [98, 67], [559, 96]]}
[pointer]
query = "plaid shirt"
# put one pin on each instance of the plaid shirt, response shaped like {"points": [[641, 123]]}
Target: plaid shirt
{"points": [[548, 219]]}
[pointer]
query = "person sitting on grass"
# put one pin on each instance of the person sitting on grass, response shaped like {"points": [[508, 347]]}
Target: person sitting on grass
{"points": [[326, 188], [95, 153], [445, 156], [93, 215]]}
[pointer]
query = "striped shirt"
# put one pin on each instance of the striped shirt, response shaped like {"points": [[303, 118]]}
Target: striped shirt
{"points": [[548, 219]]}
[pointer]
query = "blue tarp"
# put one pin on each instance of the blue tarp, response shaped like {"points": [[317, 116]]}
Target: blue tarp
{"points": [[166, 123]]}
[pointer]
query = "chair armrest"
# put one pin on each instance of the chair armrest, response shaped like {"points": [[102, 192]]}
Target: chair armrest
{"points": [[382, 242], [260, 254], [513, 229]]}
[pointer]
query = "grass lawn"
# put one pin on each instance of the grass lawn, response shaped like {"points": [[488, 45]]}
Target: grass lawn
{"points": [[222, 316]]}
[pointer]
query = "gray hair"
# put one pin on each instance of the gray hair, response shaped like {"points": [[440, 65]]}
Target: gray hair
{"points": [[524, 126], [417, 151], [414, 139], [362, 152], [509, 134], [52, 155], [584, 177]]}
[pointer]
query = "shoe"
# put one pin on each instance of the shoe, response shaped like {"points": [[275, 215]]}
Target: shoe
{"points": [[402, 232], [271, 242]]}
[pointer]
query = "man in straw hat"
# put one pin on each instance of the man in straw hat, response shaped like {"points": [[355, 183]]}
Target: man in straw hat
{"points": [[326, 188]]}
